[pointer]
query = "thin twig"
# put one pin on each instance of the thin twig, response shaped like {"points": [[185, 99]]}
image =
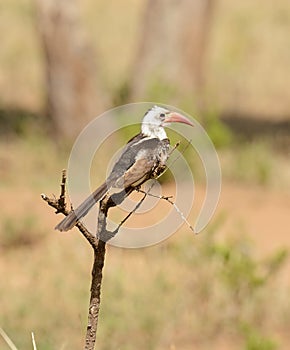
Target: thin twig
{"points": [[178, 157], [6, 338], [61, 200], [60, 205], [167, 198], [134, 210], [174, 148], [33, 341]]}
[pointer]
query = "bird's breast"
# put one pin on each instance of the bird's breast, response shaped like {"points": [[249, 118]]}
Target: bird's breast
{"points": [[161, 156], [163, 152]]}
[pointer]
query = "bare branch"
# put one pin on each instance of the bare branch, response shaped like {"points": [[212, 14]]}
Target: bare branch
{"points": [[167, 199], [98, 243], [6, 338], [60, 206], [33, 341], [61, 201], [95, 298], [104, 235], [178, 157], [174, 148], [134, 210]]}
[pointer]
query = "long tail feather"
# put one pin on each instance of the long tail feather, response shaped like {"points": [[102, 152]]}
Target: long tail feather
{"points": [[71, 219]]}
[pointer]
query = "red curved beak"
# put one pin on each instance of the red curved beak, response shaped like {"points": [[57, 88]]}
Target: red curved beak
{"points": [[175, 117]]}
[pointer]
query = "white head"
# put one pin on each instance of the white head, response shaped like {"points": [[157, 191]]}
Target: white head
{"points": [[156, 118]]}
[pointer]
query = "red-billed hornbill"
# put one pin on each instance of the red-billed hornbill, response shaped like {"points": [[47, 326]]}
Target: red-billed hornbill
{"points": [[143, 158]]}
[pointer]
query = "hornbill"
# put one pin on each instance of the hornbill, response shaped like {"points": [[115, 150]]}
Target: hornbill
{"points": [[143, 158]]}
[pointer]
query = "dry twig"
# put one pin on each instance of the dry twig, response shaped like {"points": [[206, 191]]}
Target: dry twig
{"points": [[167, 199], [98, 243]]}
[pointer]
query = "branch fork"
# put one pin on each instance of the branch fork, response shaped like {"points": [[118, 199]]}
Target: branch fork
{"points": [[98, 241]]}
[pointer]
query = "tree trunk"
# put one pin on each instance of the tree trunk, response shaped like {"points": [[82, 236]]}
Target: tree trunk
{"points": [[172, 49], [73, 95]]}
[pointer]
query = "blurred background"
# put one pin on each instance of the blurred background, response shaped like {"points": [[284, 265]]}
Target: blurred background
{"points": [[227, 64]]}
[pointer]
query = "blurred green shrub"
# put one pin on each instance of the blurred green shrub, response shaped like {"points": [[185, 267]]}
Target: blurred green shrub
{"points": [[250, 162], [218, 132], [230, 287], [17, 122], [254, 340]]}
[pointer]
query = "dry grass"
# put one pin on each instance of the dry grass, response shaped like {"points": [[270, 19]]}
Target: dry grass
{"points": [[170, 295]]}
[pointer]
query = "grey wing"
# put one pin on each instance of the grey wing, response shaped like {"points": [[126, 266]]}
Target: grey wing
{"points": [[139, 172], [135, 164], [124, 163]]}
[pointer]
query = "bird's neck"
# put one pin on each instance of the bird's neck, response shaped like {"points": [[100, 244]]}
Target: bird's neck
{"points": [[153, 131]]}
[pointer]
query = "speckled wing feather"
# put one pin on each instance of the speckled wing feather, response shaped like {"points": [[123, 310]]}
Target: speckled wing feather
{"points": [[138, 173]]}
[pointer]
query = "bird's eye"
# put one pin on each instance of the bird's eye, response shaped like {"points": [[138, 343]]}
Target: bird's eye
{"points": [[162, 116]]}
